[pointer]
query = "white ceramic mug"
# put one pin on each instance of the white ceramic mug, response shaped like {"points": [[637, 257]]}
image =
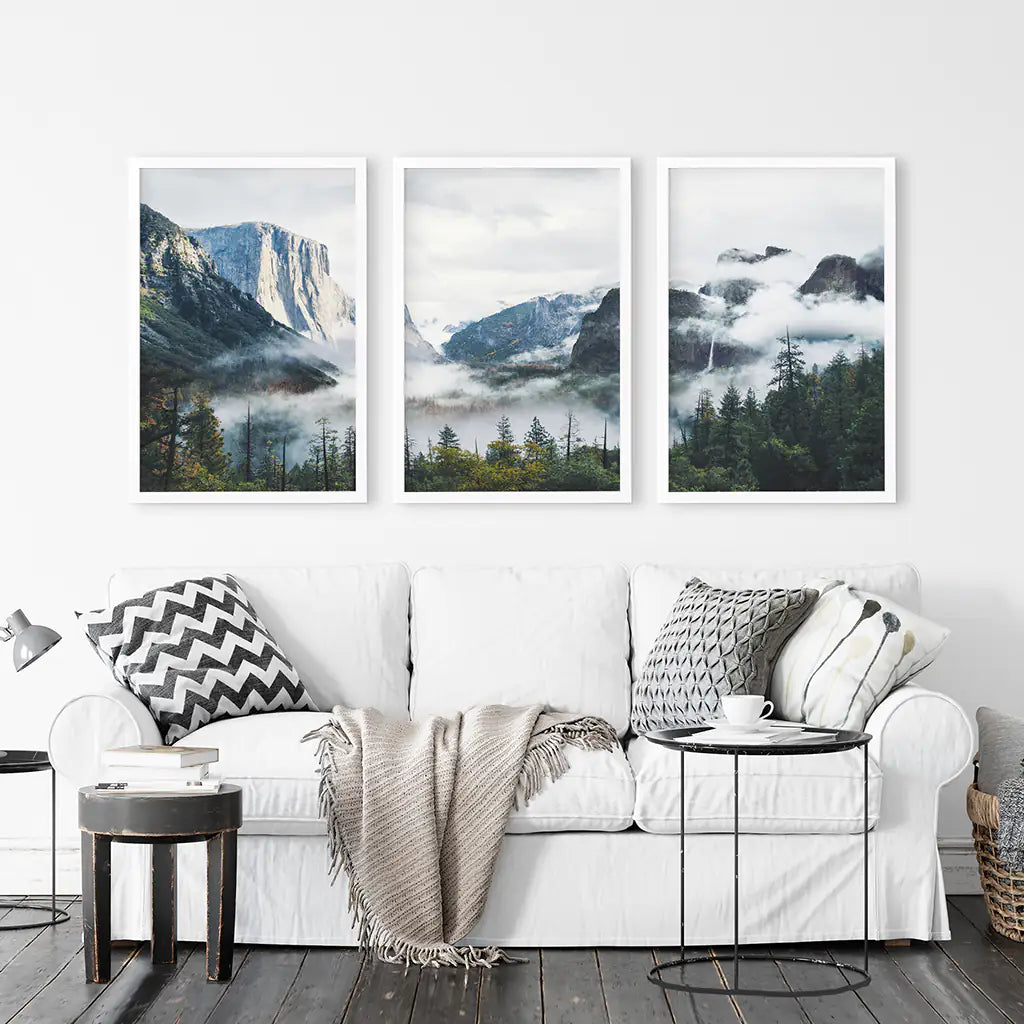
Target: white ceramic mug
{"points": [[745, 708]]}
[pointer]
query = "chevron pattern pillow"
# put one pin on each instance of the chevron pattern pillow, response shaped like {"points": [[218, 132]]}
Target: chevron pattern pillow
{"points": [[715, 642], [193, 652]]}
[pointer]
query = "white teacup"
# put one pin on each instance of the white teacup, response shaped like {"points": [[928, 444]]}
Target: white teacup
{"points": [[745, 708]]}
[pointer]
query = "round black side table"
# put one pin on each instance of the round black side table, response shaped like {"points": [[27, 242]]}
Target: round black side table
{"points": [[684, 741], [162, 820], [16, 762]]}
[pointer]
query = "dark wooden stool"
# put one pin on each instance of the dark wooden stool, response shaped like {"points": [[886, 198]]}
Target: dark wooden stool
{"points": [[162, 820]]}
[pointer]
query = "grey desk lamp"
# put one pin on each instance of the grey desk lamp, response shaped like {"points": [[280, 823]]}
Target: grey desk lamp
{"points": [[30, 642]]}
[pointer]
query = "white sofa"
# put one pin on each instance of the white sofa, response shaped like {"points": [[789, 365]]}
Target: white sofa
{"points": [[594, 859]]}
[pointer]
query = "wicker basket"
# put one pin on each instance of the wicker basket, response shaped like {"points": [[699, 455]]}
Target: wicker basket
{"points": [[1003, 889]]}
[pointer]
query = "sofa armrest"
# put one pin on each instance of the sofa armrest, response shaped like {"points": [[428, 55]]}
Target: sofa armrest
{"points": [[922, 740], [93, 722]]}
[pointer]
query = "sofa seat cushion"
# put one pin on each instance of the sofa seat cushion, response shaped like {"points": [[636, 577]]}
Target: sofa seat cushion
{"points": [[265, 755], [596, 794], [809, 793]]}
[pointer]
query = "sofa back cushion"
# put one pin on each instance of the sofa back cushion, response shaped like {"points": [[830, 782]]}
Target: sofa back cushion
{"points": [[553, 636], [655, 588], [344, 628]]}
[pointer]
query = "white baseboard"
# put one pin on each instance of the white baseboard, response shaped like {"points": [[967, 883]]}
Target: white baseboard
{"points": [[25, 867], [959, 867]]}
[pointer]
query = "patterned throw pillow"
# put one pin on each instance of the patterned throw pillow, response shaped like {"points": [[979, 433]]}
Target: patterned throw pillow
{"points": [[194, 652], [715, 642], [853, 650]]}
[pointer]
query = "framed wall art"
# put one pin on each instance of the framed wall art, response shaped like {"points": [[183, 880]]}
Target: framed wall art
{"points": [[777, 330], [249, 333], [512, 314]]}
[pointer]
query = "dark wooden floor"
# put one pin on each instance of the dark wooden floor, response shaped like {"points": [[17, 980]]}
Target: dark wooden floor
{"points": [[976, 977]]}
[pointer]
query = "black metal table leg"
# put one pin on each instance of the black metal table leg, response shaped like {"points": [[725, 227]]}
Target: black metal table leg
{"points": [[221, 859], [682, 863], [96, 905], [682, 740], [55, 916], [53, 845], [736, 871], [866, 859], [164, 939]]}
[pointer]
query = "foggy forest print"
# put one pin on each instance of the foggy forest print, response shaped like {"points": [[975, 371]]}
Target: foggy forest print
{"points": [[777, 329], [247, 330], [512, 340]]}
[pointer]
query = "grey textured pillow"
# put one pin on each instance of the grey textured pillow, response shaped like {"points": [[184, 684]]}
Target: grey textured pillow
{"points": [[1000, 748], [715, 642]]}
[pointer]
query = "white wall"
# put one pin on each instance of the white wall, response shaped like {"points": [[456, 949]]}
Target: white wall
{"points": [[85, 86]]}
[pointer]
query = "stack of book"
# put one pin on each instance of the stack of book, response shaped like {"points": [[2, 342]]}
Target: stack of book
{"points": [[150, 769]]}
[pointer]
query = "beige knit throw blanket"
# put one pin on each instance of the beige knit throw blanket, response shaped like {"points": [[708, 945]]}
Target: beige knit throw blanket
{"points": [[416, 812]]}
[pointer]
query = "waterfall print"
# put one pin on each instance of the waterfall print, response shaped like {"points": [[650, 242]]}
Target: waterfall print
{"points": [[776, 330]]}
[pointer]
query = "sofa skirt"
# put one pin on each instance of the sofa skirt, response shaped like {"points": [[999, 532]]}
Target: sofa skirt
{"points": [[585, 889]]}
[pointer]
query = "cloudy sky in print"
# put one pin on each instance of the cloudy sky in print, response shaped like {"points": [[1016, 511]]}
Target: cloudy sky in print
{"points": [[478, 239], [318, 203], [813, 211]]}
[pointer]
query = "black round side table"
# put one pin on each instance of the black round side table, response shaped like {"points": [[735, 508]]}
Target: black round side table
{"points": [[163, 820], [684, 740], [16, 762]]}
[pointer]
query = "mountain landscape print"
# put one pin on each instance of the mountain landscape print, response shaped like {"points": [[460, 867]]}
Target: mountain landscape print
{"points": [[515, 329], [251, 345], [777, 330]]}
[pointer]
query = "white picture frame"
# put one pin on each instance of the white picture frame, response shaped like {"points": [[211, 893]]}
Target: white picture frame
{"points": [[887, 168], [357, 289], [620, 165]]}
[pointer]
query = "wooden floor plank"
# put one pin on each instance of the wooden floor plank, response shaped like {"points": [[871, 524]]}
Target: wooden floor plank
{"points": [[137, 987], [944, 985], [39, 962], [68, 995], [571, 985], [322, 988], [383, 992], [628, 995], [14, 941], [889, 997], [188, 996], [973, 909], [258, 988], [446, 995], [844, 1008], [763, 1009], [987, 968], [510, 993], [976, 977], [698, 1008]]}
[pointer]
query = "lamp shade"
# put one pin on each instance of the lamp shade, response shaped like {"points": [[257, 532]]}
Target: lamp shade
{"points": [[30, 642]]}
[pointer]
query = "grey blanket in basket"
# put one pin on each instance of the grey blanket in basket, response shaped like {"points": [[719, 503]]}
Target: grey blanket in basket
{"points": [[1011, 823]]}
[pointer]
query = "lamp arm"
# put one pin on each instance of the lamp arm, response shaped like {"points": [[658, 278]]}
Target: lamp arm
{"points": [[5, 634]]}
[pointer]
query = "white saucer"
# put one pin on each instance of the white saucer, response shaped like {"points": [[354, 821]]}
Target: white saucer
{"points": [[724, 726]]}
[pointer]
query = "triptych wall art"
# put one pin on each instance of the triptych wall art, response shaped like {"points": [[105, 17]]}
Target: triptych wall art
{"points": [[511, 330]]}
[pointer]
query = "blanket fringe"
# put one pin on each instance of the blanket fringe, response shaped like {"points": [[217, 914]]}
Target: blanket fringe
{"points": [[545, 759]]}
